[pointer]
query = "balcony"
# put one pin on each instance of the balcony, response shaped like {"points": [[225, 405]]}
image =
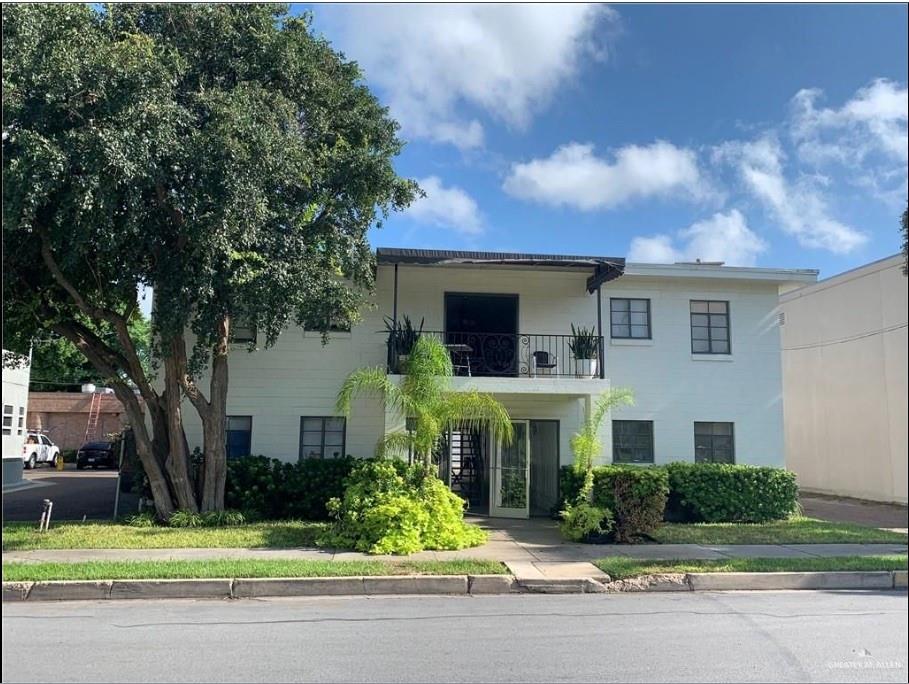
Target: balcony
{"points": [[514, 355]]}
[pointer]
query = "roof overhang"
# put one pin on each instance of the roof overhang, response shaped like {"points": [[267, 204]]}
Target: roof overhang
{"points": [[602, 269]]}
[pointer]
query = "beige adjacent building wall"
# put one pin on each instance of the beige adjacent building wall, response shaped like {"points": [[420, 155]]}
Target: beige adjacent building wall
{"points": [[844, 343]]}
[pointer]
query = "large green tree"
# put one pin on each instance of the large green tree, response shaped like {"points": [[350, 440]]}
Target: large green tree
{"points": [[222, 155]]}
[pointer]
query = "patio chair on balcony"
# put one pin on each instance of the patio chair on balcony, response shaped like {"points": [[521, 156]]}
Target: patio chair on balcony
{"points": [[543, 360]]}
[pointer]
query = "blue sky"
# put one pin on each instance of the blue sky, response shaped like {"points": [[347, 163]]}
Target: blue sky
{"points": [[758, 135]]}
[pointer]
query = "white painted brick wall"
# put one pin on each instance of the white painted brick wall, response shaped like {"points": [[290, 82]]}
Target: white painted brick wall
{"points": [[300, 376]]}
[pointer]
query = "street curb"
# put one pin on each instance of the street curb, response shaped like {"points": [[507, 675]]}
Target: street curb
{"points": [[440, 585], [171, 588], [755, 581]]}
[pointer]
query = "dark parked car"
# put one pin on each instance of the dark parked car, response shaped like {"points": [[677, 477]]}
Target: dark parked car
{"points": [[96, 454]]}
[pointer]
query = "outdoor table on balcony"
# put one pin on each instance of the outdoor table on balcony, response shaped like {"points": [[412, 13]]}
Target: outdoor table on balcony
{"points": [[460, 356]]}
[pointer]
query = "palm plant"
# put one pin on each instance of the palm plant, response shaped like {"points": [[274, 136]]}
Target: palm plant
{"points": [[424, 396], [581, 519], [585, 444]]}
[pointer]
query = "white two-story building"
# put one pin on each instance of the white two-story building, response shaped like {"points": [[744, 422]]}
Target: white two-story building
{"points": [[698, 344]]}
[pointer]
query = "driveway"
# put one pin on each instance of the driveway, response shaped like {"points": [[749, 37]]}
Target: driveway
{"points": [[870, 513], [75, 493]]}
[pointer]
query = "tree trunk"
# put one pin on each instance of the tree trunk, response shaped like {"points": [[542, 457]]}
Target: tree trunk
{"points": [[104, 362], [177, 463], [214, 425], [161, 494]]}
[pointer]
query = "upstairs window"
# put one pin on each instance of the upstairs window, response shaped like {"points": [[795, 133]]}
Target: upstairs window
{"points": [[709, 327], [241, 333], [629, 318], [714, 443]]}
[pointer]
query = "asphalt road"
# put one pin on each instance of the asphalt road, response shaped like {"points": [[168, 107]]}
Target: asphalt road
{"points": [[759, 637]]}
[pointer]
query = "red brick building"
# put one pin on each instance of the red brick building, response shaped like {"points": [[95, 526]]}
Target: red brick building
{"points": [[64, 416]]}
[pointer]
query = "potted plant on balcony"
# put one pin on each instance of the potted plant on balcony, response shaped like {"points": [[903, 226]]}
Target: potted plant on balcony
{"points": [[402, 336], [584, 345]]}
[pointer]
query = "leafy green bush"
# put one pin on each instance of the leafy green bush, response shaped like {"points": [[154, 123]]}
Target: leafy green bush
{"points": [[582, 521], [390, 507], [271, 489], [717, 492], [639, 496]]}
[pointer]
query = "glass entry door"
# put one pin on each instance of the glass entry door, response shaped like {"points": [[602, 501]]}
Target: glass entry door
{"points": [[509, 494]]}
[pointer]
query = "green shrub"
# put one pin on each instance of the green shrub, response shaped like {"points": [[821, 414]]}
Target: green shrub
{"points": [[716, 492], [268, 488], [390, 507], [144, 519], [639, 496], [225, 518], [186, 519], [582, 521]]}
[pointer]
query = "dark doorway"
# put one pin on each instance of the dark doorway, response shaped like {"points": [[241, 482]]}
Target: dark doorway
{"points": [[544, 467], [487, 326], [464, 466]]}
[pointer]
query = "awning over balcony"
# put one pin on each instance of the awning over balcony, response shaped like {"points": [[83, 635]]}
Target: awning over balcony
{"points": [[602, 269]]}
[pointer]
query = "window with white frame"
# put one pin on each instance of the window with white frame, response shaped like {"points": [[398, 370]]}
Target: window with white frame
{"points": [[20, 426]]}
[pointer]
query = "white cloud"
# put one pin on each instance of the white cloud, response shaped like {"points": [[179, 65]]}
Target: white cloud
{"points": [[799, 206], [874, 120], [449, 207], [574, 176], [433, 61], [722, 237]]}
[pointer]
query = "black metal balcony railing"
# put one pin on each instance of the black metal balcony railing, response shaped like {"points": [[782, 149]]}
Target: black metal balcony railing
{"points": [[512, 355]]}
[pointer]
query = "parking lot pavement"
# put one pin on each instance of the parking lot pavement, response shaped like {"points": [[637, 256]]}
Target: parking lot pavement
{"points": [[870, 513], [75, 493]]}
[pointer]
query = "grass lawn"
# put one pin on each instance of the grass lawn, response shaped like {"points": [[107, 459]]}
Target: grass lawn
{"points": [[796, 530], [622, 568], [77, 535], [105, 570]]}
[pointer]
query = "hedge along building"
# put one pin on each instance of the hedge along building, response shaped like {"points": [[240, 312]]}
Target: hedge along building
{"points": [[697, 343]]}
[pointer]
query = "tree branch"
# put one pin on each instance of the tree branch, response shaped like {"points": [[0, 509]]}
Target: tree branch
{"points": [[130, 358]]}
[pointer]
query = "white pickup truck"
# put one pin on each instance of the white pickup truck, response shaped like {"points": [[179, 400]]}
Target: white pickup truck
{"points": [[39, 449]]}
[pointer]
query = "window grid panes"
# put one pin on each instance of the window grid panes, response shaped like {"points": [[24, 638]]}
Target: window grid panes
{"points": [[714, 443], [242, 334], [322, 437], [629, 318], [20, 426], [632, 441], [710, 327], [7, 419], [239, 436]]}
